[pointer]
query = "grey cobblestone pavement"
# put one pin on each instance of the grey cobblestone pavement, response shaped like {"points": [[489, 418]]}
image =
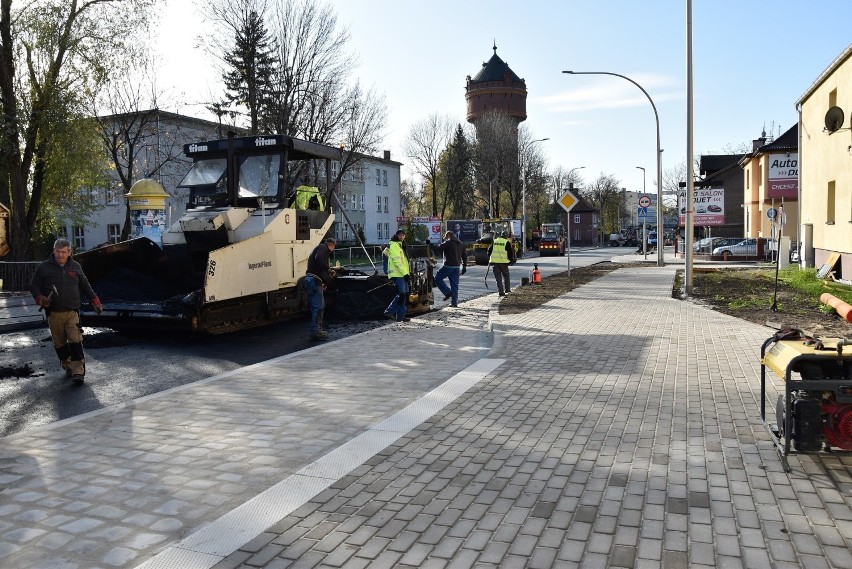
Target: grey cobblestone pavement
{"points": [[621, 431], [611, 427]]}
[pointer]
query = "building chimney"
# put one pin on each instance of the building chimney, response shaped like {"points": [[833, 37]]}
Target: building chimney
{"points": [[387, 154]]}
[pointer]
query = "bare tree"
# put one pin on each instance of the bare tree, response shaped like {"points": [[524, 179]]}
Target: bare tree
{"points": [[426, 142], [605, 194], [131, 132], [310, 93], [51, 52], [497, 161]]}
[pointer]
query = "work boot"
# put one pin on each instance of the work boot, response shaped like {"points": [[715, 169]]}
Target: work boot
{"points": [[390, 315], [448, 296], [321, 335], [77, 378], [320, 325]]}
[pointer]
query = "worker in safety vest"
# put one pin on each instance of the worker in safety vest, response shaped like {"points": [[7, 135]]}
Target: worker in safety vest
{"points": [[501, 254], [309, 197], [398, 272]]}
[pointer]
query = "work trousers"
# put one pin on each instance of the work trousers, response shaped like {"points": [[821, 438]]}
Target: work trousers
{"points": [[67, 335], [452, 274], [501, 275]]}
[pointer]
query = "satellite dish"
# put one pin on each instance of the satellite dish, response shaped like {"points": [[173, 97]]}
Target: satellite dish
{"points": [[833, 119]]}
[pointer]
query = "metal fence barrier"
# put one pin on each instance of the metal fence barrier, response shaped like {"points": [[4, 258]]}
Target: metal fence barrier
{"points": [[16, 277]]}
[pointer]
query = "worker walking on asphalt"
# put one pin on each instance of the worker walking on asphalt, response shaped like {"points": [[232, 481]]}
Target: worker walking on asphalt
{"points": [[501, 253], [398, 272], [56, 287], [317, 279], [455, 264]]}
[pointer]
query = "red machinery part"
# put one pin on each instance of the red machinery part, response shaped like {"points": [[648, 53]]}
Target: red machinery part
{"points": [[837, 427]]}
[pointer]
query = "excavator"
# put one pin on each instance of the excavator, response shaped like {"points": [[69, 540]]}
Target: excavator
{"points": [[237, 257]]}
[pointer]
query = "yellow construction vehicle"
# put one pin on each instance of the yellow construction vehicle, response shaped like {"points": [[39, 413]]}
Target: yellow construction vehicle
{"points": [[488, 230], [237, 257]]}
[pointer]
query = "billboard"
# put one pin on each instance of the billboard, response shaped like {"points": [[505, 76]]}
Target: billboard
{"points": [[709, 204], [783, 178], [431, 227], [465, 229]]}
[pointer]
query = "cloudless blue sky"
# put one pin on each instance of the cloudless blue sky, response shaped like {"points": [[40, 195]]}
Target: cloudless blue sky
{"points": [[752, 59]]}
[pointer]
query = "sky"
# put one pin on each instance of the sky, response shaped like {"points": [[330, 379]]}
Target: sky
{"points": [[752, 60]]}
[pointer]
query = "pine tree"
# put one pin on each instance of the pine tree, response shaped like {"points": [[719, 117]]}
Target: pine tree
{"points": [[252, 64]]}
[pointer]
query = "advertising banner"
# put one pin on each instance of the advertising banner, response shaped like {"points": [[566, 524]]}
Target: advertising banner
{"points": [[783, 180], [465, 229], [431, 227], [709, 206]]}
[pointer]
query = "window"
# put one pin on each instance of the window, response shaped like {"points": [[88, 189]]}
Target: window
{"points": [[114, 233], [379, 203], [361, 202], [577, 218], [343, 201], [830, 203], [62, 232], [386, 203], [384, 177], [111, 197], [379, 234], [79, 238], [346, 233], [354, 202], [335, 168], [378, 177], [387, 231]]}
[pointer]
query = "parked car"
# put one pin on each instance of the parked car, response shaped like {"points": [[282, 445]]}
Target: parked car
{"points": [[652, 238], [707, 244], [743, 248]]}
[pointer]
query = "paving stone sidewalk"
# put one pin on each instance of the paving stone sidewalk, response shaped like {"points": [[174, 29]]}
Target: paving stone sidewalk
{"points": [[622, 430], [114, 487]]}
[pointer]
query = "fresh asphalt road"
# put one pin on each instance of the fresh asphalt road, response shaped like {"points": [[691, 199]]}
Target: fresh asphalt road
{"points": [[124, 368]]}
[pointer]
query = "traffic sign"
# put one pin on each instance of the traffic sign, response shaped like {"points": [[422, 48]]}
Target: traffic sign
{"points": [[771, 213], [642, 212], [568, 200], [644, 201]]}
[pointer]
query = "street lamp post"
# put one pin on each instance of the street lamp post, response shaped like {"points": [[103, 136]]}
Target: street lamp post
{"points": [[524, 197], [660, 261], [644, 238]]}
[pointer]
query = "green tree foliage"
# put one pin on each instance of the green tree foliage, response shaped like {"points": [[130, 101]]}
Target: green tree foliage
{"points": [[457, 167], [606, 195], [310, 93], [53, 54], [250, 64]]}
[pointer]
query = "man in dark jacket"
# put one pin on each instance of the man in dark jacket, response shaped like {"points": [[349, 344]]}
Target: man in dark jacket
{"points": [[56, 287], [455, 264], [317, 278]]}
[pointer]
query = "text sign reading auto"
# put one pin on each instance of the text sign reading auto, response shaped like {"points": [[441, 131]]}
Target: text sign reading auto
{"points": [[568, 201]]}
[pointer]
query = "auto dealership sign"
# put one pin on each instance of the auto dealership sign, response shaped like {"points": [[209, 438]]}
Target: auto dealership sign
{"points": [[783, 179], [708, 203]]}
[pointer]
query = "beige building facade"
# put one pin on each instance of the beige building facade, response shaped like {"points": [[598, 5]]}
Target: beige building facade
{"points": [[825, 126], [770, 188]]}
